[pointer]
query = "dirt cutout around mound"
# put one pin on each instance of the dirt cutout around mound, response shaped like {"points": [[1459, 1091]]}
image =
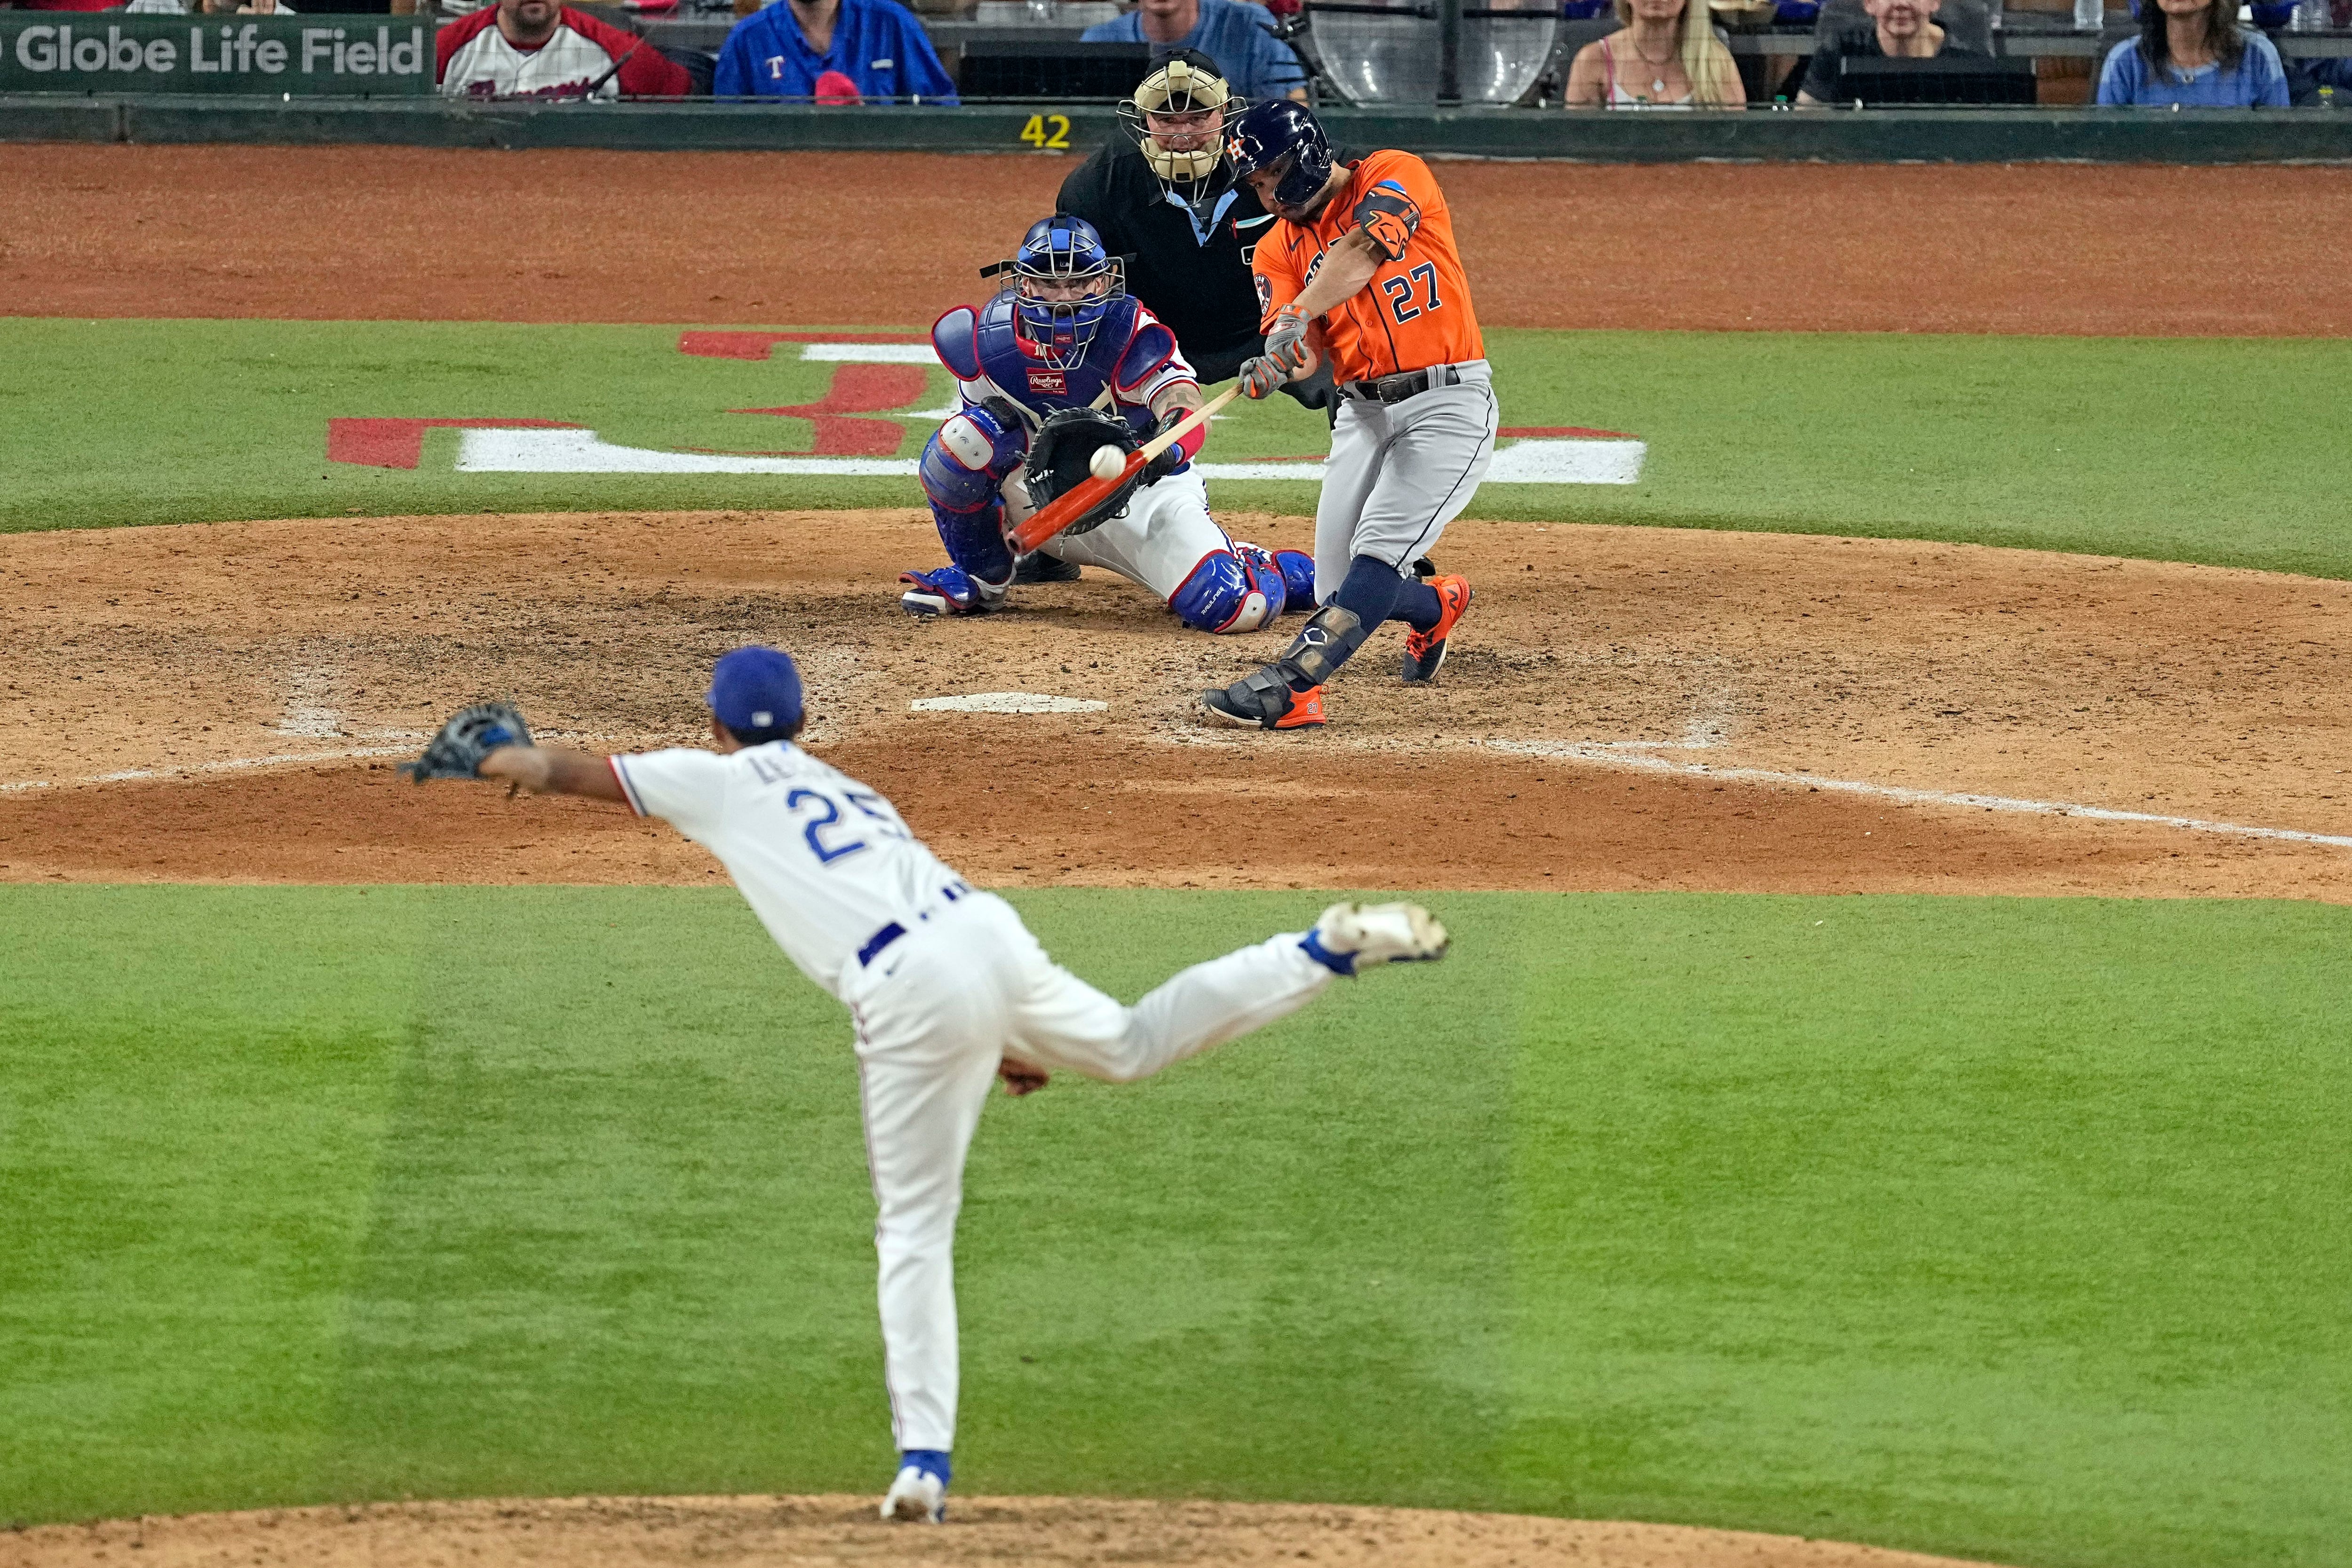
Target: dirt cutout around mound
{"points": [[716, 1532], [1623, 708], [719, 237]]}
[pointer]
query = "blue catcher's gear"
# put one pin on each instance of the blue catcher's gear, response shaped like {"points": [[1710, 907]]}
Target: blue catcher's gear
{"points": [[1063, 283], [1236, 589], [1127, 359], [963, 464], [1297, 570], [1281, 138]]}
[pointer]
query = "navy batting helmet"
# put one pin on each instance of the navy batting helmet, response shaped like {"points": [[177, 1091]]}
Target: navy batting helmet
{"points": [[1281, 138], [1064, 282]]}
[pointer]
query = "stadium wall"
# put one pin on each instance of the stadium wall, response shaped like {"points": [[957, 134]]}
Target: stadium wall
{"points": [[1878, 136]]}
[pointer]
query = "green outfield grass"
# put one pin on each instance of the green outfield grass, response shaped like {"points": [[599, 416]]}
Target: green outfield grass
{"points": [[2006, 1229], [2215, 450]]}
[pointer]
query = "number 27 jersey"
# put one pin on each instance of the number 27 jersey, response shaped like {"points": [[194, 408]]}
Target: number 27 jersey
{"points": [[823, 861], [1415, 312]]}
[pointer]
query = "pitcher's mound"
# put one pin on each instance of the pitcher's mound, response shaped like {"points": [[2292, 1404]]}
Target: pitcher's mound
{"points": [[713, 1533]]}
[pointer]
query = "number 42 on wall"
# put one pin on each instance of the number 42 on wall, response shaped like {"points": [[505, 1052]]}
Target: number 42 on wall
{"points": [[1047, 132]]}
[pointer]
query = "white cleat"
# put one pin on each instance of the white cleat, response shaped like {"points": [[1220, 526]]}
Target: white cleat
{"points": [[1366, 935], [917, 1496]]}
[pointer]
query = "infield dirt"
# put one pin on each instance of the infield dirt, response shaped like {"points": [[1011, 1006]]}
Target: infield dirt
{"points": [[723, 1533], [412, 234], [184, 654]]}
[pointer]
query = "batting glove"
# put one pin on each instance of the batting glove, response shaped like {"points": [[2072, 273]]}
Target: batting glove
{"points": [[1260, 376], [1286, 344]]}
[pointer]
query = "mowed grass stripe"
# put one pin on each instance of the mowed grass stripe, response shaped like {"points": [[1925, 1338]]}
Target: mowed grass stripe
{"points": [[2211, 450], [1999, 1228]]}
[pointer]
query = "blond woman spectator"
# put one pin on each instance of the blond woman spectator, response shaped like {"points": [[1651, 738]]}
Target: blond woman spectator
{"points": [[1661, 59]]}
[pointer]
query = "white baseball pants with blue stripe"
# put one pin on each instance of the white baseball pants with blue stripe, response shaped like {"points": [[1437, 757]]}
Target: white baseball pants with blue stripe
{"points": [[935, 1012]]}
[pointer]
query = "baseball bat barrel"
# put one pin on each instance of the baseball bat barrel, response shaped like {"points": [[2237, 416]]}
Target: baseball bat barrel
{"points": [[1075, 502]]}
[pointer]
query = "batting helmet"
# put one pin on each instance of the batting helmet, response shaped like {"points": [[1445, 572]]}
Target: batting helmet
{"points": [[1281, 138], [1064, 282], [1186, 83]]}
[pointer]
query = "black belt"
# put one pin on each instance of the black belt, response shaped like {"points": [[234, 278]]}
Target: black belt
{"points": [[892, 932], [1410, 384]]}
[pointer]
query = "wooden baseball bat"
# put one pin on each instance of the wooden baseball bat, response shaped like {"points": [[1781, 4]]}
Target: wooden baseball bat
{"points": [[1073, 503]]}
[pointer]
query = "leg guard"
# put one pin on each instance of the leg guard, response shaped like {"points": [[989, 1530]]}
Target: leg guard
{"points": [[1238, 589], [963, 466], [1329, 640]]}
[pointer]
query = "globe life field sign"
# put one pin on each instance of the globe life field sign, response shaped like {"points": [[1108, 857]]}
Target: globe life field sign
{"points": [[111, 52]]}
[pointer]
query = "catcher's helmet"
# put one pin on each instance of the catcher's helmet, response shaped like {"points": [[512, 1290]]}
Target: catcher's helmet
{"points": [[1063, 282], [1281, 138], [1187, 82]]}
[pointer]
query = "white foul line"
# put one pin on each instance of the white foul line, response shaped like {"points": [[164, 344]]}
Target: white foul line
{"points": [[1610, 757], [1596, 753], [236, 765]]}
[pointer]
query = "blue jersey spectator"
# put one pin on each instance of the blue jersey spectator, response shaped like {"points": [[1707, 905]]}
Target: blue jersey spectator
{"points": [[2191, 54], [785, 49], [1237, 36]]}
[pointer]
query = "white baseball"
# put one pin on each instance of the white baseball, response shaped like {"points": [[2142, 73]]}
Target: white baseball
{"points": [[1107, 463]]}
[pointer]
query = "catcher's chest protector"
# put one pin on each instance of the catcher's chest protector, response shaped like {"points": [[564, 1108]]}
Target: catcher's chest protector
{"points": [[1020, 376]]}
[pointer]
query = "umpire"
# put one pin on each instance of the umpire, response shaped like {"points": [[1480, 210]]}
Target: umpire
{"points": [[1163, 195]]}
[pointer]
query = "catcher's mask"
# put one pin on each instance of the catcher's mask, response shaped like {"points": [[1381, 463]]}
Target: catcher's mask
{"points": [[1063, 283], [1282, 138], [1177, 117]]}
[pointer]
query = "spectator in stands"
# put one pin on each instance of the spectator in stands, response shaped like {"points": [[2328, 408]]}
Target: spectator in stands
{"points": [[1656, 60], [542, 48], [832, 51], [1237, 36], [2192, 54], [1898, 29]]}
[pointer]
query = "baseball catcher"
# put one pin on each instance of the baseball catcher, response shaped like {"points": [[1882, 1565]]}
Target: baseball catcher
{"points": [[1061, 363]]}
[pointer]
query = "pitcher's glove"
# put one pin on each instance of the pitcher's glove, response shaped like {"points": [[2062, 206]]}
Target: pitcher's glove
{"points": [[471, 735]]}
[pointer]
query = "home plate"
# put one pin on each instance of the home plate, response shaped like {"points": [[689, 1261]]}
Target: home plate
{"points": [[1007, 701]]}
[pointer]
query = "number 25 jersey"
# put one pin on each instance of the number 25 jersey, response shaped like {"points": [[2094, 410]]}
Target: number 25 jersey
{"points": [[823, 861], [1416, 311]]}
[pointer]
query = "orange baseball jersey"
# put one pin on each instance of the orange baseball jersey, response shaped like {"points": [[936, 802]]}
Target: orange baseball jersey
{"points": [[1416, 310]]}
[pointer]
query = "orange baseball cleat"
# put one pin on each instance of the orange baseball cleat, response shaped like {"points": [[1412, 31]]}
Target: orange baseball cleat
{"points": [[1263, 699], [1424, 651]]}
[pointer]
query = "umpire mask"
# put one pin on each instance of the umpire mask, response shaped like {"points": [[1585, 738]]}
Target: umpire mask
{"points": [[1178, 117]]}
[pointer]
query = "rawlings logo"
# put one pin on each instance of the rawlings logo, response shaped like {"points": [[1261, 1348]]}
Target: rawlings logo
{"points": [[1048, 382]]}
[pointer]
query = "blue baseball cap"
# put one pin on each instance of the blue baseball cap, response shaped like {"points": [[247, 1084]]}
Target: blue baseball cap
{"points": [[754, 689]]}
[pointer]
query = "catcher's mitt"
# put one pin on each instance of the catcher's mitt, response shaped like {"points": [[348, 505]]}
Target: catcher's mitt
{"points": [[1064, 444], [471, 735]]}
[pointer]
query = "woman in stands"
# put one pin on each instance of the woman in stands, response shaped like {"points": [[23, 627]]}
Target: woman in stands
{"points": [[1666, 56], [2192, 54]]}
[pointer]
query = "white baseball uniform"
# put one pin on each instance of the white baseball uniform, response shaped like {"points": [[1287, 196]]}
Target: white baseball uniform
{"points": [[943, 981]]}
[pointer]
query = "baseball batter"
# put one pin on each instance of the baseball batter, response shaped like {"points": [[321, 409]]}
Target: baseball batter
{"points": [[1061, 362], [1364, 253], [946, 988]]}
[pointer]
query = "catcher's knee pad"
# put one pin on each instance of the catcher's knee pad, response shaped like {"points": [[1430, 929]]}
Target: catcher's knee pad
{"points": [[1298, 569], [1295, 568], [1238, 589], [968, 458]]}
